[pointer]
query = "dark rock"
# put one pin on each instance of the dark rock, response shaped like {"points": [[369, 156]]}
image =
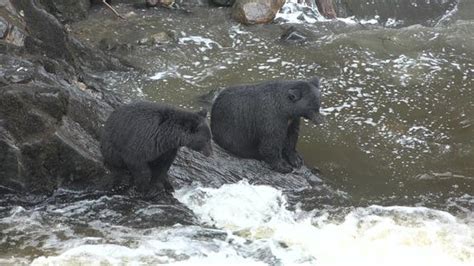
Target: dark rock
{"points": [[223, 168], [48, 36], [160, 38], [293, 35], [50, 121], [67, 10], [153, 3], [223, 2], [4, 27], [256, 11]]}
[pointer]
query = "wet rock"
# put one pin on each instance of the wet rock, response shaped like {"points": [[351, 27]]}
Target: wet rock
{"points": [[48, 36], [293, 35], [114, 45], [3, 28], [256, 11], [10, 170], [49, 120], [223, 2], [160, 38], [153, 3], [11, 22], [67, 10]]}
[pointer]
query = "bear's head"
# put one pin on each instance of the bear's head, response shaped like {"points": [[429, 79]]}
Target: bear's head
{"points": [[200, 134], [305, 99]]}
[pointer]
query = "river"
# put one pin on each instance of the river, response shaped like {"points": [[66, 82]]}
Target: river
{"points": [[398, 137]]}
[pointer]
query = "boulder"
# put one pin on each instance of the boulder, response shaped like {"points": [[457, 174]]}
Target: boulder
{"points": [[256, 11], [67, 10]]}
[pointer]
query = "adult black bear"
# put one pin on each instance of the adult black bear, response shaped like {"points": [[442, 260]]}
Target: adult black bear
{"points": [[144, 137], [261, 121]]}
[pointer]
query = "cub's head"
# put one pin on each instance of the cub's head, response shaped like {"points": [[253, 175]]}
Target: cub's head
{"points": [[200, 134], [304, 98]]}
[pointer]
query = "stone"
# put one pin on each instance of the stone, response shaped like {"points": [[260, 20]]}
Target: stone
{"points": [[3, 28], [293, 35], [256, 11], [153, 3], [223, 2], [67, 10]]}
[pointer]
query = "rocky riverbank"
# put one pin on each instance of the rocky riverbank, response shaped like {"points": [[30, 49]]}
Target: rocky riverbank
{"points": [[53, 105]]}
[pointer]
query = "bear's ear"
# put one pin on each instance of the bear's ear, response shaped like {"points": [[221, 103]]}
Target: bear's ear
{"points": [[202, 113], [314, 81], [294, 95]]}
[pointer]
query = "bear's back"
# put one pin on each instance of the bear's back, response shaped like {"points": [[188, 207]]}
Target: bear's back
{"points": [[236, 115]]}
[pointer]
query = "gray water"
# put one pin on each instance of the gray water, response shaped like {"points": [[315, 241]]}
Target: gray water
{"points": [[399, 106]]}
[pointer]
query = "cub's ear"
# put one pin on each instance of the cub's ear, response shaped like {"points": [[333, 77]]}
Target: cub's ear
{"points": [[294, 95], [202, 113], [314, 81]]}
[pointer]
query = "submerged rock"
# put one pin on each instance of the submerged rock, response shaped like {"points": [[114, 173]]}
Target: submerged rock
{"points": [[223, 2], [160, 38], [256, 11], [293, 35], [153, 3]]}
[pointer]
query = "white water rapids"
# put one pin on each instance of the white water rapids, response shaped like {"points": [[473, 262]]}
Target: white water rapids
{"points": [[253, 227]]}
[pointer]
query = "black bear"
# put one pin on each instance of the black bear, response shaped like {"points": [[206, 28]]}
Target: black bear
{"points": [[143, 138], [261, 121]]}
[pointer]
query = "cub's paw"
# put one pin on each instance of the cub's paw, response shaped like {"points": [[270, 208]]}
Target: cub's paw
{"points": [[282, 167], [155, 191], [295, 160]]}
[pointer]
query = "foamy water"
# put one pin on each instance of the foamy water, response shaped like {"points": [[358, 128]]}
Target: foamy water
{"points": [[249, 224]]}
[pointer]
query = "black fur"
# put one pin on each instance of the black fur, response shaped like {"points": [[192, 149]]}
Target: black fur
{"points": [[261, 121], [144, 138]]}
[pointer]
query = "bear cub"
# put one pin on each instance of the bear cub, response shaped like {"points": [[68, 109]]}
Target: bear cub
{"points": [[143, 139], [261, 121]]}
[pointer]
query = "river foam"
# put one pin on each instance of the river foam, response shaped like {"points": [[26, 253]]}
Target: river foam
{"points": [[250, 224]]}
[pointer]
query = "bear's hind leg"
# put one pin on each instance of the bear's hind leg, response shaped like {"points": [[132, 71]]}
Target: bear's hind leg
{"points": [[141, 175], [159, 169]]}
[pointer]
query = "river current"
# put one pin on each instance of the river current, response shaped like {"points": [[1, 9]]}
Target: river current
{"points": [[398, 137]]}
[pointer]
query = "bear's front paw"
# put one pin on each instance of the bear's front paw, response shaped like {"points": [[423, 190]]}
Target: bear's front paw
{"points": [[295, 159], [282, 167]]}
